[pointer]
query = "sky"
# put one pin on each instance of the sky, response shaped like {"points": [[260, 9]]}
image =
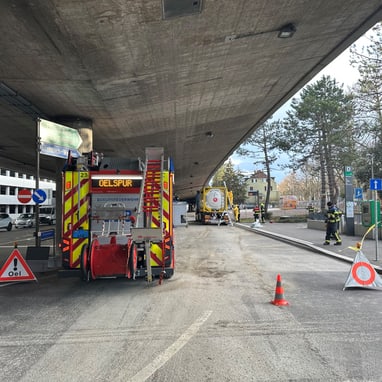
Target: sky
{"points": [[343, 72]]}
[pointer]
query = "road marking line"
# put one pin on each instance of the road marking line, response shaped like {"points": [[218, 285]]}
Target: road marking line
{"points": [[8, 284], [158, 362]]}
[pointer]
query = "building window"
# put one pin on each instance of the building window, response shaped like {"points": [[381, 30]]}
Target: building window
{"points": [[12, 190], [12, 173], [12, 209], [3, 190]]}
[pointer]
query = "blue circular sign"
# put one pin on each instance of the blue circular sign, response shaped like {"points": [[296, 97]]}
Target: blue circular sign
{"points": [[39, 196]]}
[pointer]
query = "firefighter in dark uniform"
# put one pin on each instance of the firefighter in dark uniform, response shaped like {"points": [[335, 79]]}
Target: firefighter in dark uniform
{"points": [[256, 212], [262, 212], [333, 216]]}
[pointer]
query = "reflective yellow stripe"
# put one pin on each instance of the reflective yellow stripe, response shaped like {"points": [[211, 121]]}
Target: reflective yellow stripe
{"points": [[156, 249], [76, 205]]}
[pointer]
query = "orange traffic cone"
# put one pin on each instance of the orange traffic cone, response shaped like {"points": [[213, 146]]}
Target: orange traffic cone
{"points": [[279, 294]]}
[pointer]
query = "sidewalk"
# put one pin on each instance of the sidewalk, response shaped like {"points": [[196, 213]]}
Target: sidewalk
{"points": [[312, 239]]}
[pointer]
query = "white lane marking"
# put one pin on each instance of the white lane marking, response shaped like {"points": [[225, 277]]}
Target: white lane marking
{"points": [[158, 362], [12, 283]]}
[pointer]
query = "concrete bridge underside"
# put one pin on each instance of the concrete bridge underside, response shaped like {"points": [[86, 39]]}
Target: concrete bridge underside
{"points": [[193, 76]]}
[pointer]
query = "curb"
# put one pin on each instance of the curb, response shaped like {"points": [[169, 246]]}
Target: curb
{"points": [[303, 244]]}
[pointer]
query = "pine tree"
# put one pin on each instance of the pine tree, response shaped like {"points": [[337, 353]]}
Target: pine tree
{"points": [[319, 130]]}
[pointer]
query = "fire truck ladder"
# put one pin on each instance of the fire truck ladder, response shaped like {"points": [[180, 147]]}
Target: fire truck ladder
{"points": [[150, 215]]}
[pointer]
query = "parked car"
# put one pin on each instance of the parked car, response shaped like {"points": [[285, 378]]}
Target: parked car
{"points": [[47, 215], [25, 221], [5, 222]]}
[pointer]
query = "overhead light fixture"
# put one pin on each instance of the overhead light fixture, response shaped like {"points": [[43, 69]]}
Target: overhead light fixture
{"points": [[287, 31], [209, 134]]}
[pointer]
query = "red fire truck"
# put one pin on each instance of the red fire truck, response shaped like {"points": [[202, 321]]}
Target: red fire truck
{"points": [[117, 221]]}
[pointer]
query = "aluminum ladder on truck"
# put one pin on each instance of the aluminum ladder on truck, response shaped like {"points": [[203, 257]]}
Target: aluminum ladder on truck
{"points": [[110, 219], [149, 227]]}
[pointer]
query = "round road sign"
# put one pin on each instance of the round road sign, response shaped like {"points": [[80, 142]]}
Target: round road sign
{"points": [[24, 196], [366, 274], [39, 196]]}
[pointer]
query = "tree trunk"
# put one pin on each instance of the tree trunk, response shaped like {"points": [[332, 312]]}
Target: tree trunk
{"points": [[322, 174], [268, 169], [323, 183]]}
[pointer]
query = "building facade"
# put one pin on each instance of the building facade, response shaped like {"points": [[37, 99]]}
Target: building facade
{"points": [[256, 186], [11, 182]]}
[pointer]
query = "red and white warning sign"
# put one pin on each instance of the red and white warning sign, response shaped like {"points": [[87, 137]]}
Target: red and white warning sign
{"points": [[24, 196], [362, 274], [16, 269]]}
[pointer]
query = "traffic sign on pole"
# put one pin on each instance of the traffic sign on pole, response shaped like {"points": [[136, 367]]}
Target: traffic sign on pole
{"points": [[60, 135], [348, 171], [39, 196], [57, 151], [376, 184], [24, 196], [57, 140], [358, 193]]}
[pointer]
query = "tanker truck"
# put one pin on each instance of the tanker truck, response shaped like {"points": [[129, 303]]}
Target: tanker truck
{"points": [[211, 205]]}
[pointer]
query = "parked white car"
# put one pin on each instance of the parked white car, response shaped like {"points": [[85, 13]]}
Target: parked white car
{"points": [[5, 222], [47, 215], [25, 221]]}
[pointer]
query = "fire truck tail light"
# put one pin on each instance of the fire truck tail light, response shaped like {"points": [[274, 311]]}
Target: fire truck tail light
{"points": [[64, 245]]}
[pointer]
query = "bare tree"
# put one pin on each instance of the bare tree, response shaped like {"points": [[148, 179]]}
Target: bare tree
{"points": [[263, 149]]}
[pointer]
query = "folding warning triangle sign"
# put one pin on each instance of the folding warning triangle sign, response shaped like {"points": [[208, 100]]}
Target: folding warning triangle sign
{"points": [[362, 274], [16, 269]]}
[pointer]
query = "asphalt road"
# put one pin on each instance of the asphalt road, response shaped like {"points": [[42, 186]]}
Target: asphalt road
{"points": [[23, 237], [213, 321]]}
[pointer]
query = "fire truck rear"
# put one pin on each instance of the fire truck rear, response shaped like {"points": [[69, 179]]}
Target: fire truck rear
{"points": [[117, 222]]}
